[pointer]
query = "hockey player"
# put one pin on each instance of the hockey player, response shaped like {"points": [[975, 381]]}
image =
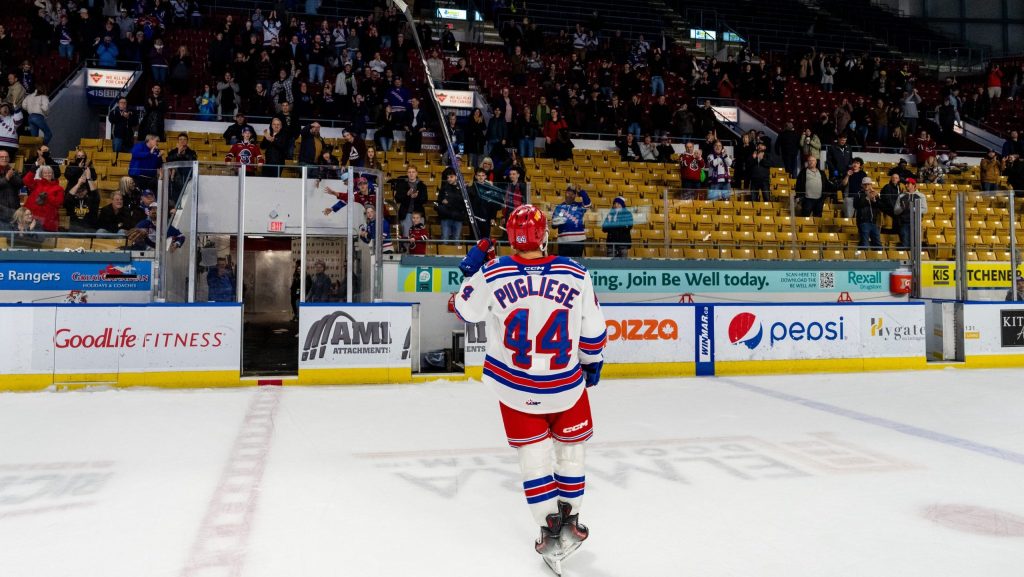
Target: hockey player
{"points": [[568, 218], [245, 153], [546, 334]]}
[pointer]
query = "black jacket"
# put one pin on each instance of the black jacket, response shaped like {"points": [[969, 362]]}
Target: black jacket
{"points": [[9, 199], [406, 203], [865, 210], [450, 204]]}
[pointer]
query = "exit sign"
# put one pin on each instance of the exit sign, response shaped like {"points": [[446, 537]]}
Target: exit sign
{"points": [[276, 226]]}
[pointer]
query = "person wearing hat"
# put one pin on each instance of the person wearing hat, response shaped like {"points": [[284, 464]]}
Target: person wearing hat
{"points": [[364, 195], [233, 133], [902, 168], [143, 236], [618, 225], [866, 211], [903, 210], [568, 218]]}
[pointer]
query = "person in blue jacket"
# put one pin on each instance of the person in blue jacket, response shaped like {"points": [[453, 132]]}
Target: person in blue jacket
{"points": [[568, 219], [220, 282], [618, 225]]}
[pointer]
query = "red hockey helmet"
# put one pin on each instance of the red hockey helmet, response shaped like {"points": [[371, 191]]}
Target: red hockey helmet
{"points": [[527, 228]]}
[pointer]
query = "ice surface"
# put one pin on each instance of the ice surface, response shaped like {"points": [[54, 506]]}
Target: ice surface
{"points": [[881, 474]]}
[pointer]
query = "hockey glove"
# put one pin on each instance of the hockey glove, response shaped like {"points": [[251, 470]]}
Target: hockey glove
{"points": [[592, 372], [482, 252]]}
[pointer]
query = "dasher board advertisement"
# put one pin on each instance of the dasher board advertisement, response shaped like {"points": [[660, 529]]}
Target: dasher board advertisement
{"points": [[353, 336]]}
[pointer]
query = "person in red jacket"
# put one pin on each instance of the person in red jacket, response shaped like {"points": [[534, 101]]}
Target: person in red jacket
{"points": [[691, 164], [554, 143], [245, 153], [418, 235], [45, 197], [995, 82]]}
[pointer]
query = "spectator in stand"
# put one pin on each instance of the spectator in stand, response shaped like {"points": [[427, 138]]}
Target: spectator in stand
{"points": [[416, 124], [888, 196], [903, 211], [233, 133], [932, 172], [10, 188], [629, 148], [555, 141], [475, 137], [526, 131], [152, 121], [923, 148], [319, 284], [568, 218], [387, 123], [207, 104], [901, 169], [158, 63], [37, 106], [866, 210], [410, 196], [180, 67], [81, 195], [353, 150], [1013, 170], [853, 178], [368, 234], [1013, 145], [146, 163], [810, 145], [45, 197], [991, 171], [122, 127], [116, 216], [618, 226], [275, 146], [246, 152], [228, 95], [311, 145], [258, 102], [220, 282], [418, 235], [515, 191], [995, 82], [648, 150], [760, 175], [665, 149], [839, 157], [179, 176], [450, 206], [718, 164], [910, 102], [107, 52], [691, 165], [65, 38], [497, 133], [812, 187], [26, 227], [788, 147]]}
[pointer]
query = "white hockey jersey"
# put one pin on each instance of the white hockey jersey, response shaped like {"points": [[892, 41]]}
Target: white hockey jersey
{"points": [[543, 321]]}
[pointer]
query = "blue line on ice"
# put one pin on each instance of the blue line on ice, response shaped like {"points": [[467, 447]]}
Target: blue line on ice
{"points": [[904, 428]]}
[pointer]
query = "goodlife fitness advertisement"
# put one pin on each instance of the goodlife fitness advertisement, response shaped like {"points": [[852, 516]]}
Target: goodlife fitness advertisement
{"points": [[636, 334], [94, 339], [787, 332], [353, 336]]}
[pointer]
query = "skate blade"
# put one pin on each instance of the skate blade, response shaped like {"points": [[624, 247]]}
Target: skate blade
{"points": [[554, 564], [568, 550]]}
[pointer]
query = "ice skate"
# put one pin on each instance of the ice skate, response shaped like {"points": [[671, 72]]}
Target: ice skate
{"points": [[549, 543], [573, 533]]}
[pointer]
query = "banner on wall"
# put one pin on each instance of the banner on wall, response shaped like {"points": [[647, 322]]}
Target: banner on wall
{"points": [[75, 282], [636, 334], [623, 281], [980, 275], [350, 336]]}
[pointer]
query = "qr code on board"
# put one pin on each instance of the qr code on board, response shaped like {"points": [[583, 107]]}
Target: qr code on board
{"points": [[826, 280]]}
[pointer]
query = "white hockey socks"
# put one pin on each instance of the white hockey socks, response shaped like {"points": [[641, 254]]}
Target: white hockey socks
{"points": [[569, 473], [535, 462]]}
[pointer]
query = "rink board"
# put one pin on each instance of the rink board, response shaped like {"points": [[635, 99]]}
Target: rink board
{"points": [[193, 346]]}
